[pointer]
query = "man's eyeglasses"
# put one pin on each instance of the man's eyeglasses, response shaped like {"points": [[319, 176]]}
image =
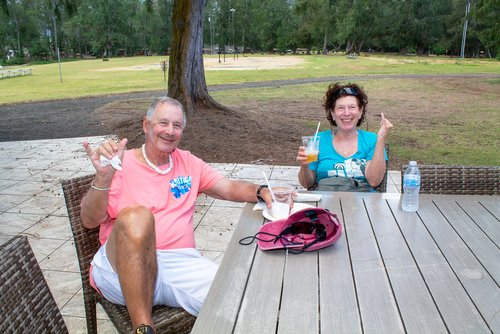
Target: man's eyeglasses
{"points": [[165, 125], [347, 91]]}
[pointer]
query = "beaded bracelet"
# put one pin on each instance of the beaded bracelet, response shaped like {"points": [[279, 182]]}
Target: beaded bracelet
{"points": [[97, 188]]}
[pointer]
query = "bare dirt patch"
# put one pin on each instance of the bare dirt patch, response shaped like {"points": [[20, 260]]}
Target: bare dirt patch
{"points": [[262, 132], [251, 63], [216, 136], [228, 63]]}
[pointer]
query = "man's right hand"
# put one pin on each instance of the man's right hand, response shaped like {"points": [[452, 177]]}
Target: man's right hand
{"points": [[108, 149]]}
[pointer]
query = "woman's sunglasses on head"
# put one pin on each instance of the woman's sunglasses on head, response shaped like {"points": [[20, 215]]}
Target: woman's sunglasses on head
{"points": [[347, 91]]}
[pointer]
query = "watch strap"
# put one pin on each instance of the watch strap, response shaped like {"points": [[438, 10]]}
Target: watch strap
{"points": [[259, 197]]}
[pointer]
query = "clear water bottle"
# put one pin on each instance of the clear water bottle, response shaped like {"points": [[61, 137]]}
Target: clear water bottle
{"points": [[411, 188]]}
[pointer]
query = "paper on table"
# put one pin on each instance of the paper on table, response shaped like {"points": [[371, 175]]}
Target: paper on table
{"points": [[115, 162], [301, 197], [296, 207], [259, 206], [307, 197]]}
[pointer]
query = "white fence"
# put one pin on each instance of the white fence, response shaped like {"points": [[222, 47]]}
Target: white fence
{"points": [[15, 73]]}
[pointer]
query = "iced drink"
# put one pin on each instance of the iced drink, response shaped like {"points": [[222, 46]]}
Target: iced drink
{"points": [[312, 156], [280, 208], [312, 148]]}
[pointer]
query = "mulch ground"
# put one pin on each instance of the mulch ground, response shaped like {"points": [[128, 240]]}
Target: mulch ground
{"points": [[249, 136]]}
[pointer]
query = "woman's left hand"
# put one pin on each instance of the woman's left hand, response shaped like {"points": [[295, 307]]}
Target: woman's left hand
{"points": [[385, 127]]}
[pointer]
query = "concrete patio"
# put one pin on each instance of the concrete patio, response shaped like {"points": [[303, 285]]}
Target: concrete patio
{"points": [[32, 204]]}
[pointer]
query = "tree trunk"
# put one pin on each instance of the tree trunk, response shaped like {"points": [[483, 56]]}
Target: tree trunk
{"points": [[359, 47], [186, 73], [337, 48], [325, 43], [348, 47], [18, 37]]}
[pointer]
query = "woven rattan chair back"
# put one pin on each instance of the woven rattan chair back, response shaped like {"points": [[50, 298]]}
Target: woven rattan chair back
{"points": [[382, 187], [458, 179], [27, 305], [167, 319]]}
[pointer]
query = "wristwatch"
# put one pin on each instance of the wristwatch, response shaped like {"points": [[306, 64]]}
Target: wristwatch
{"points": [[258, 192], [144, 329]]}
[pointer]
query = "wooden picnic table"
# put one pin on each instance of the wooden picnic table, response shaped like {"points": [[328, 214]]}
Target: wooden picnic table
{"points": [[433, 271]]}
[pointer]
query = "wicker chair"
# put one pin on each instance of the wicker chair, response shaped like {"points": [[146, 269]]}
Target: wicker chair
{"points": [[458, 179], [167, 319], [382, 187], [27, 304]]}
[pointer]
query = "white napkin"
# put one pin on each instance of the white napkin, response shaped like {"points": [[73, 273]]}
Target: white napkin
{"points": [[307, 197], [259, 206], [115, 162], [301, 197]]}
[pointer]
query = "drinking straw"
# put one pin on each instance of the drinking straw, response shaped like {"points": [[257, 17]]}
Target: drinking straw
{"points": [[269, 186], [316, 134]]}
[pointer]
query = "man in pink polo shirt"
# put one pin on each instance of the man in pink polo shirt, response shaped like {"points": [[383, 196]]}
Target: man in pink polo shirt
{"points": [[145, 212]]}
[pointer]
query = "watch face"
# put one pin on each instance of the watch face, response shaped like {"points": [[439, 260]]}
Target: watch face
{"points": [[144, 329]]}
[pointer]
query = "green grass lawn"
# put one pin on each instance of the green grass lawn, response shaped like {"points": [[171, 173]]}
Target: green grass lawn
{"points": [[121, 75]]}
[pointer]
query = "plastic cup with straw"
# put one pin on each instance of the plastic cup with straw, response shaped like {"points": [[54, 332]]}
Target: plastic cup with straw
{"points": [[269, 186], [312, 146], [282, 199], [316, 134]]}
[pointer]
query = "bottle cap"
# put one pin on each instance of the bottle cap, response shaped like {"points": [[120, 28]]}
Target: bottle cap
{"points": [[413, 163]]}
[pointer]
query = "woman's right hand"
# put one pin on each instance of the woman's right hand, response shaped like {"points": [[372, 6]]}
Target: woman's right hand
{"points": [[108, 149], [307, 177], [302, 157]]}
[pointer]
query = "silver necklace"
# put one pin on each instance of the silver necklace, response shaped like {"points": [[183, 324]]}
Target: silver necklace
{"points": [[349, 148], [154, 167]]}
